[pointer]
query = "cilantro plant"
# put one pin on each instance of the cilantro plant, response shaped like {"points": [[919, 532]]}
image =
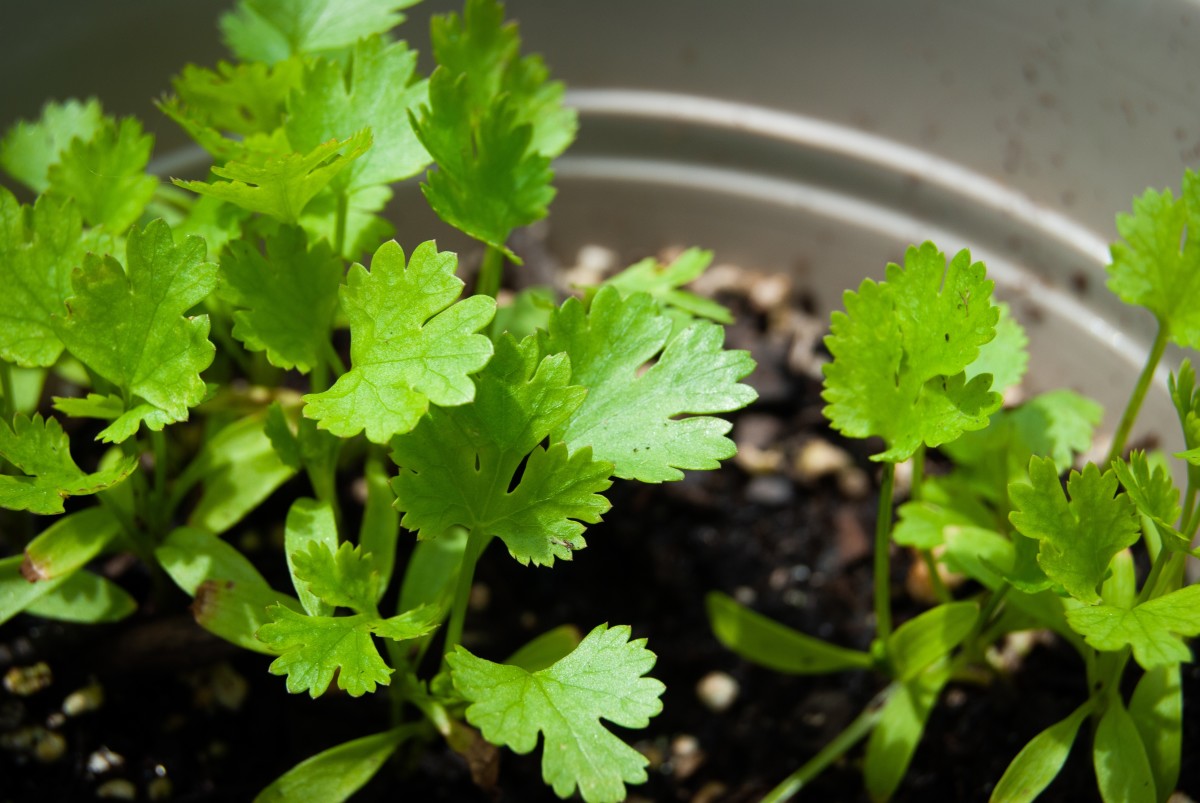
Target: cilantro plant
{"points": [[179, 324], [920, 360]]}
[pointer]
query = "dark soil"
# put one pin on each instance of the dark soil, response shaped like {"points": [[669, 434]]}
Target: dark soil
{"points": [[195, 720]]}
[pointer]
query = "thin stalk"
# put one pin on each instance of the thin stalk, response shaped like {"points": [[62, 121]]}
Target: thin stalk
{"points": [[918, 473], [7, 407], [935, 577], [335, 359], [1139, 394], [159, 497], [476, 541], [883, 538], [1189, 508], [1156, 570], [851, 735], [339, 223], [488, 281]]}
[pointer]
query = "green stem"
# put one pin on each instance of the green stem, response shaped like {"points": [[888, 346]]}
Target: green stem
{"points": [[1139, 394], [935, 577], [488, 282], [883, 537], [339, 224], [1156, 570], [7, 407], [476, 542], [335, 360], [160, 499], [918, 473], [851, 735]]}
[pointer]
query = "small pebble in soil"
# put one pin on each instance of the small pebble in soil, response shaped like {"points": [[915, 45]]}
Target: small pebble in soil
{"points": [[717, 691], [818, 458], [81, 701], [853, 483], [104, 760], [50, 747], [769, 291], [481, 597], [26, 680], [686, 756], [769, 489], [117, 789]]}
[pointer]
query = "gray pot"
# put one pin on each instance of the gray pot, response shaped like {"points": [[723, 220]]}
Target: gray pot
{"points": [[815, 138]]}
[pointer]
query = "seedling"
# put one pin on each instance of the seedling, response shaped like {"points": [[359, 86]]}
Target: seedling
{"points": [[185, 313], [919, 360]]}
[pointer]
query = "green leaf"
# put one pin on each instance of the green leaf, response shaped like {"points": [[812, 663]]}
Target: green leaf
{"points": [[67, 545], [457, 465], [285, 442], [238, 468], [662, 282], [1122, 768], [945, 502], [287, 297], [85, 598], [1039, 761], [900, 350], [1152, 628], [486, 51], [245, 99], [1078, 538], [333, 775], [932, 635], [39, 247], [1157, 710], [16, 591], [313, 648], [489, 179], [272, 30], [380, 528], [1154, 266], [894, 740], [344, 578], [375, 88], [106, 174], [601, 678], [28, 149], [129, 325], [1151, 489], [768, 643], [432, 570], [281, 185], [411, 344], [529, 310], [642, 422], [1006, 357], [231, 597], [41, 450], [309, 524], [1058, 424]]}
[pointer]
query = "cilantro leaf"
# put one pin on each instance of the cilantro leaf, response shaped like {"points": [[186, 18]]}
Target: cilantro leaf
{"points": [[602, 678], [1006, 357], [457, 465], [900, 350], [663, 283], [40, 449], [129, 325], [288, 298], [28, 149], [1078, 538], [1058, 424], [272, 30], [486, 51], [1155, 265], [247, 98], [106, 175], [1152, 629], [1151, 489], [39, 248], [312, 648], [281, 185], [635, 421], [489, 180], [124, 424], [374, 89], [342, 579], [411, 344]]}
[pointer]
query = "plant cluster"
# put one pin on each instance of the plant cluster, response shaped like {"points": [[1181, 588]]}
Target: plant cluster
{"points": [[921, 360], [175, 321]]}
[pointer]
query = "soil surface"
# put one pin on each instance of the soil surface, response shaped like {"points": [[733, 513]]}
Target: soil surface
{"points": [[169, 713]]}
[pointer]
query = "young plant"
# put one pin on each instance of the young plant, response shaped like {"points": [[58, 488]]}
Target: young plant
{"points": [[181, 316], [917, 361]]}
